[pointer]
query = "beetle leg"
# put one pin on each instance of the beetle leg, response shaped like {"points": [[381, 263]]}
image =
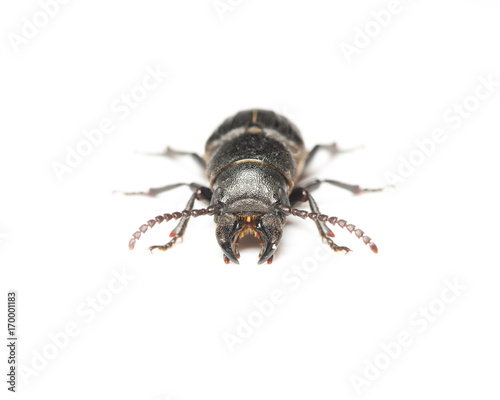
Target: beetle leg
{"points": [[355, 189], [178, 232], [332, 148], [360, 234], [211, 210], [301, 195], [153, 192], [169, 152], [165, 247]]}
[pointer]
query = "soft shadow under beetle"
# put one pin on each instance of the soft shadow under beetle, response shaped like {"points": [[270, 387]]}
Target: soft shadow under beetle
{"points": [[253, 162]]}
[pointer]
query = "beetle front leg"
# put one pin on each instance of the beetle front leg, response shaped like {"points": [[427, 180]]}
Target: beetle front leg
{"points": [[203, 194], [302, 195]]}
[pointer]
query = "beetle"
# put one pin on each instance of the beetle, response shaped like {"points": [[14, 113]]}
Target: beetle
{"points": [[253, 162]]}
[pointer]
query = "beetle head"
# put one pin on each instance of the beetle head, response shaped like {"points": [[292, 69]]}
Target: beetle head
{"points": [[268, 228], [248, 193]]}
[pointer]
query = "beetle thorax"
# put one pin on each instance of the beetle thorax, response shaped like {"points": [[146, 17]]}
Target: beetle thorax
{"points": [[250, 189]]}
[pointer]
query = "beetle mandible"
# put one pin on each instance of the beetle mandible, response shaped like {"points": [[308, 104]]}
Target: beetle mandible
{"points": [[253, 161]]}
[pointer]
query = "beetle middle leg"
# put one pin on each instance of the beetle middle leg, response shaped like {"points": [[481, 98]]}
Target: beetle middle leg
{"points": [[201, 193], [153, 192], [301, 194], [355, 189]]}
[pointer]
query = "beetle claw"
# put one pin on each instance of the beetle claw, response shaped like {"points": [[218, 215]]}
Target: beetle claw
{"points": [[165, 247], [335, 247]]}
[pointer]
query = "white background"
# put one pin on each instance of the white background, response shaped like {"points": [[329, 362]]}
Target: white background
{"points": [[162, 335]]}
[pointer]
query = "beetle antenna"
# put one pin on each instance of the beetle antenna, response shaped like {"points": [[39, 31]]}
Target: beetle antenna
{"points": [[332, 220], [175, 215]]}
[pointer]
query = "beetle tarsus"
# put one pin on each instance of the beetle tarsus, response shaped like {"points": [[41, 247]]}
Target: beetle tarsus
{"points": [[165, 247], [336, 248]]}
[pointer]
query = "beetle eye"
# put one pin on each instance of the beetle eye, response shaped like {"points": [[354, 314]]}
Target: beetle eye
{"points": [[218, 193]]}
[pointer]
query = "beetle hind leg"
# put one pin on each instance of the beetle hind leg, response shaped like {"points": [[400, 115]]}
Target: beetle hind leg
{"points": [[171, 153], [332, 148]]}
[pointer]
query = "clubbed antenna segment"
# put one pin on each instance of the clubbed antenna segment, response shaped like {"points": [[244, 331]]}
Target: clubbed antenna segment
{"points": [[167, 217], [332, 220]]}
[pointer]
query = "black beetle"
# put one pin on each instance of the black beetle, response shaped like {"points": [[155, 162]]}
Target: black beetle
{"points": [[253, 161]]}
